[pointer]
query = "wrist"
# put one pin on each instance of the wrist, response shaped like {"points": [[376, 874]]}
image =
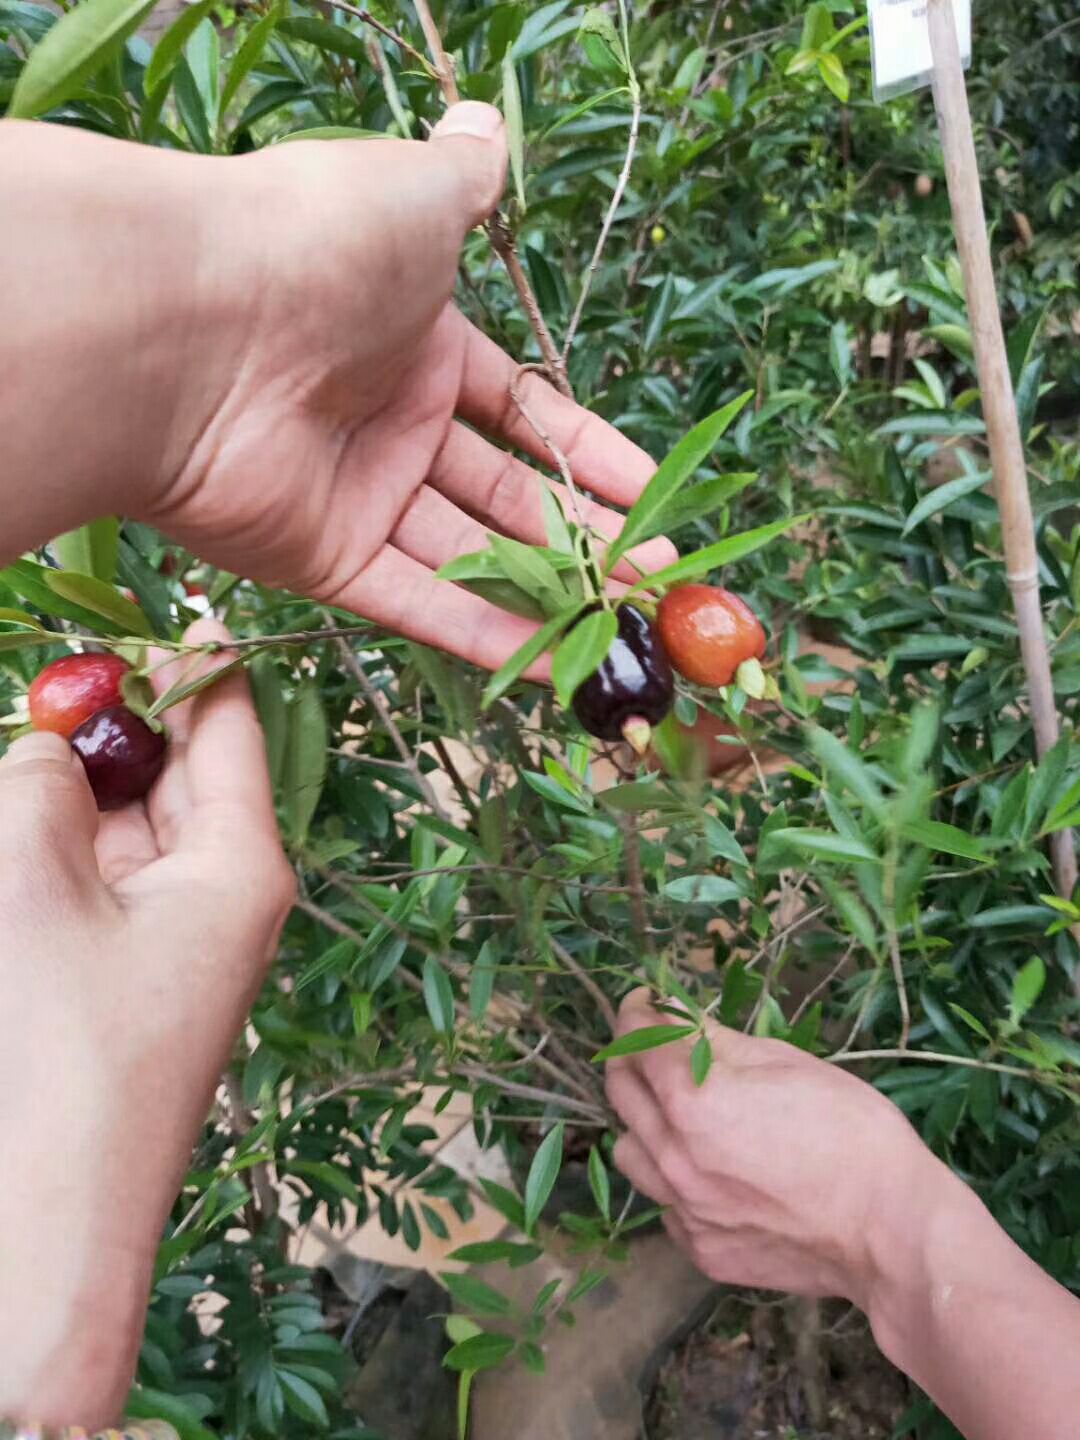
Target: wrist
{"points": [[119, 326], [928, 1251]]}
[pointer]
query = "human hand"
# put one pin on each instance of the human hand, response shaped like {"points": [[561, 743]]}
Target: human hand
{"points": [[781, 1171], [337, 453], [131, 947]]}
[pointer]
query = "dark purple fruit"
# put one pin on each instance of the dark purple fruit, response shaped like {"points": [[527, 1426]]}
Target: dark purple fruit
{"points": [[633, 689], [122, 756]]}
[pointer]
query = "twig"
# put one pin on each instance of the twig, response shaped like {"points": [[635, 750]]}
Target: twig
{"points": [[530, 1092], [389, 724], [368, 19], [936, 1057], [822, 985], [635, 880], [240, 1121], [603, 1004], [609, 220], [444, 64], [505, 246], [445, 758]]}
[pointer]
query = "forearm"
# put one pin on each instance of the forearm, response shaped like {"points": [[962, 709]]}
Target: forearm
{"points": [[106, 325], [986, 1333]]}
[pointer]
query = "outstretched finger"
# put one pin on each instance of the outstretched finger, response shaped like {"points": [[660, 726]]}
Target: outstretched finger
{"points": [[400, 593], [600, 458]]}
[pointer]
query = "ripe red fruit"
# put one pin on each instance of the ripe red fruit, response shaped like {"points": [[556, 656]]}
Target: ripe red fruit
{"points": [[71, 689], [122, 756], [708, 633]]}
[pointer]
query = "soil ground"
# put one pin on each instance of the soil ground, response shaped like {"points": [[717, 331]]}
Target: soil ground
{"points": [[740, 1377]]}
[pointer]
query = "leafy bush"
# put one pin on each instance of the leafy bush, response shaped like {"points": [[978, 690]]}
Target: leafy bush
{"points": [[881, 895]]}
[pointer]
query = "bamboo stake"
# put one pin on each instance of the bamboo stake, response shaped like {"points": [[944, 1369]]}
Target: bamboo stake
{"points": [[998, 399]]}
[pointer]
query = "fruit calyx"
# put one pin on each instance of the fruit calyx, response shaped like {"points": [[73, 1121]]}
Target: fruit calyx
{"points": [[637, 732]]}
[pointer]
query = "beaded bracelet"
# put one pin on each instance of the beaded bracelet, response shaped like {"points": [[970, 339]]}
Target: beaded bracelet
{"points": [[144, 1430]]}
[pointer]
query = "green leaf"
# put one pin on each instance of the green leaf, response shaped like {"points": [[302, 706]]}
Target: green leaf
{"points": [[169, 48], [847, 767], [701, 1059], [184, 689], [76, 46], [942, 497], [303, 1399], [658, 312], [724, 552], [438, 996], [92, 549], [489, 1252], [818, 27], [523, 657], [472, 1293], [100, 598], [335, 39], [1026, 989], [970, 1021], [698, 501], [515, 125], [482, 980], [703, 890], [600, 1183], [528, 569], [825, 845], [504, 1201], [543, 1172], [555, 526], [647, 1037], [947, 838], [831, 71], [672, 475], [331, 132], [304, 769], [273, 713], [582, 652], [248, 56], [479, 1352]]}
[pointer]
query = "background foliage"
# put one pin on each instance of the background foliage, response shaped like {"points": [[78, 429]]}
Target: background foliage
{"points": [[780, 235]]}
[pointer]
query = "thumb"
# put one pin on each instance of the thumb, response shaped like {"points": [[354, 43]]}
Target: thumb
{"points": [[49, 816], [471, 137]]}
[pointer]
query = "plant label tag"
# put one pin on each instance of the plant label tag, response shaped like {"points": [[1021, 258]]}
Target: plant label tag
{"points": [[900, 40]]}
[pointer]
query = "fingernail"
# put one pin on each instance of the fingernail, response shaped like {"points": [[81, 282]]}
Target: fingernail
{"points": [[469, 117], [40, 745]]}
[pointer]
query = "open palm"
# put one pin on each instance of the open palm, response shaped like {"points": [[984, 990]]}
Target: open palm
{"points": [[348, 456]]}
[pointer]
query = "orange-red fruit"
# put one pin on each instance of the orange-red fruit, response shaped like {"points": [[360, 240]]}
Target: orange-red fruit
{"points": [[70, 690], [708, 633]]}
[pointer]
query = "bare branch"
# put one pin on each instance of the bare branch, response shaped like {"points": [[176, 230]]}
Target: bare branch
{"points": [[368, 19], [444, 64]]}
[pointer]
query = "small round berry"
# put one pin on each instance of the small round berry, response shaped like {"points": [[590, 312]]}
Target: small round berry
{"points": [[708, 633], [73, 688], [121, 754], [633, 688]]}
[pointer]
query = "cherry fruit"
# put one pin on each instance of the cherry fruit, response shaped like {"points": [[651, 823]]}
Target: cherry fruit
{"points": [[708, 633], [121, 754], [632, 690], [71, 689]]}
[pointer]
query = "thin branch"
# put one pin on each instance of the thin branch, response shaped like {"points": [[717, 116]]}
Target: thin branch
{"points": [[505, 246], [821, 986], [609, 220], [937, 1057], [530, 1092], [389, 724], [368, 19], [601, 1001], [444, 63]]}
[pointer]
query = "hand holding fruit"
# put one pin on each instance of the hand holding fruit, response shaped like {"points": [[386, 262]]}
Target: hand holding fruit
{"points": [[131, 947]]}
